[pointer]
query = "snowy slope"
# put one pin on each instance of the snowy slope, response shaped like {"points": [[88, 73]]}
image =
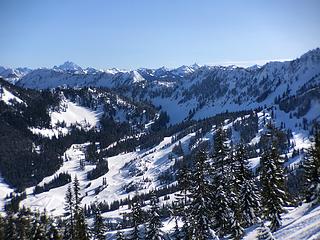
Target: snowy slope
{"points": [[206, 90], [73, 114], [301, 223], [12, 75], [70, 114], [142, 168], [149, 163], [7, 97]]}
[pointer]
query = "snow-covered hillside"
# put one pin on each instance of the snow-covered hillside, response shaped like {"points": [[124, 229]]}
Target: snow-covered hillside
{"points": [[7, 96], [69, 114], [142, 169], [149, 123], [13, 74], [197, 91]]}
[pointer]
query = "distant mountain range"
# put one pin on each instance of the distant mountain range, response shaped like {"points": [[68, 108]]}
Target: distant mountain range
{"points": [[192, 91]]}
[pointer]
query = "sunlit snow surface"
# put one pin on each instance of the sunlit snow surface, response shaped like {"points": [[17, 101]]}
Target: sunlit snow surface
{"points": [[299, 223], [74, 114], [71, 113], [7, 97]]}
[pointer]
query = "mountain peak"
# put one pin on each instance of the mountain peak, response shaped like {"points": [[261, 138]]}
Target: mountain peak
{"points": [[68, 66]]}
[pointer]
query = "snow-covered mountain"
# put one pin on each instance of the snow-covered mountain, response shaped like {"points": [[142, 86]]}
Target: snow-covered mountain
{"points": [[68, 67], [196, 91], [13, 74], [135, 151]]}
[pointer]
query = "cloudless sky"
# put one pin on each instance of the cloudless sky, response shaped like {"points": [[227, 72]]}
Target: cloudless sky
{"points": [[153, 33]]}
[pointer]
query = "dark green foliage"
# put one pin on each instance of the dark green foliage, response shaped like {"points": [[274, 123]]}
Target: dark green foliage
{"points": [[76, 226], [69, 214], [154, 224], [273, 191], [13, 204], [99, 170], [200, 210], [137, 218], [160, 122], [312, 170], [99, 227], [220, 170], [58, 181], [91, 154], [248, 199]]}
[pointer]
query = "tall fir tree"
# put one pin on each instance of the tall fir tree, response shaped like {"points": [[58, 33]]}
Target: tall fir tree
{"points": [[69, 214], [200, 210], [177, 233], [246, 189], [221, 152], [273, 195], [220, 169], [181, 203], [10, 231], [232, 191], [99, 227], [137, 218], [77, 195], [24, 223], [80, 225], [312, 169], [154, 224]]}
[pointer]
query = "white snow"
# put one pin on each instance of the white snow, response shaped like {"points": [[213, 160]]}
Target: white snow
{"points": [[7, 97], [75, 114], [5, 190], [301, 223]]}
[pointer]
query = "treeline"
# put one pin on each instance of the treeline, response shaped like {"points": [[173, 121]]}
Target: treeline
{"points": [[57, 181], [218, 196]]}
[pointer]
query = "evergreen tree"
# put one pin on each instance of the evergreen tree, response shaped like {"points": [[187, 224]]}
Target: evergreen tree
{"points": [[184, 181], [154, 225], [312, 170], [236, 228], [69, 213], [249, 202], [200, 217], [233, 214], [273, 186], [222, 214], [220, 154], [53, 233], [77, 195], [137, 219], [81, 228], [2, 227], [248, 197], [181, 198], [10, 231], [221, 179], [99, 227], [38, 232], [24, 224]]}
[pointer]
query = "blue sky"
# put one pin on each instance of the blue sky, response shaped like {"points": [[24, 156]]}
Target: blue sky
{"points": [[148, 33]]}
